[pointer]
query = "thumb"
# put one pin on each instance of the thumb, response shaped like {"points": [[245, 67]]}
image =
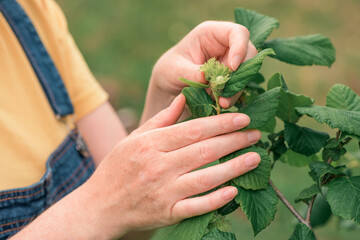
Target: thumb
{"points": [[166, 117]]}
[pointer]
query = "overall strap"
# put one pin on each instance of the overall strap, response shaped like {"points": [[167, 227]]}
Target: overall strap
{"points": [[39, 58]]}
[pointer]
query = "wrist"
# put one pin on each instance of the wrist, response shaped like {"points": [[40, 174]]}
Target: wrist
{"points": [[156, 98]]}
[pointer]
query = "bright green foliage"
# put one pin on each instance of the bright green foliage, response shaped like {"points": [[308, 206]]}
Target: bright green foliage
{"points": [[258, 206], [304, 140], [260, 26], [216, 234], [247, 72], [257, 178], [348, 121], [302, 232], [262, 108], [305, 50], [322, 172], [296, 159], [277, 80], [194, 84], [308, 193], [199, 102], [344, 197], [294, 145], [192, 229], [343, 97], [288, 100]]}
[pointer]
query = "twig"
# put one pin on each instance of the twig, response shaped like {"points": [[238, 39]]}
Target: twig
{"points": [[311, 204], [289, 206]]}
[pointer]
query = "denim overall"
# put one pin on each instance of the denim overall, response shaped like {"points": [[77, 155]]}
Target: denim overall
{"points": [[69, 165]]}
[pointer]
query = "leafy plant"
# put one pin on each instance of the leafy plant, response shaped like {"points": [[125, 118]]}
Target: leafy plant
{"points": [[334, 192]]}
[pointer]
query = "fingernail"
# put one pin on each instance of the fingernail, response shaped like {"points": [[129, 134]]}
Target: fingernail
{"points": [[241, 121], [229, 193], [235, 63], [252, 160], [253, 136]]}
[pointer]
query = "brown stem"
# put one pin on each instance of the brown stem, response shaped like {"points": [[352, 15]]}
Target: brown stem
{"points": [[288, 205], [308, 215], [217, 105]]}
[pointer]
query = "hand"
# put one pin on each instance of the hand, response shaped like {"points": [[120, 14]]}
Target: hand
{"points": [[228, 42], [147, 179]]}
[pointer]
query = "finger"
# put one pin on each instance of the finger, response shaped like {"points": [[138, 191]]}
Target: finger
{"points": [[251, 51], [206, 179], [229, 102], [200, 205], [238, 44], [186, 133], [190, 70], [166, 117], [199, 154]]}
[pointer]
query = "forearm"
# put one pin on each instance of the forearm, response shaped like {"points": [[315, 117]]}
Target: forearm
{"points": [[102, 130], [74, 217]]}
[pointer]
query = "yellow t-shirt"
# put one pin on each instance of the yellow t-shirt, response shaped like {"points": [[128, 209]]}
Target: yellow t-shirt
{"points": [[29, 131]]}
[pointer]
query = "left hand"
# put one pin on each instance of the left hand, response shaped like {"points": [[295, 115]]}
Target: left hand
{"points": [[227, 41]]}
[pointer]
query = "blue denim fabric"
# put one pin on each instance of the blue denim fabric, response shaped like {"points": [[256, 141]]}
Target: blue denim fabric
{"points": [[39, 58], [67, 167]]}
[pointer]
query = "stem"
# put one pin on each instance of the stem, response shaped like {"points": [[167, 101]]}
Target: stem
{"points": [[311, 204], [289, 206], [217, 105]]}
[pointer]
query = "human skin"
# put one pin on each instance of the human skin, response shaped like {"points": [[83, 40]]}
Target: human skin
{"points": [[144, 180]]}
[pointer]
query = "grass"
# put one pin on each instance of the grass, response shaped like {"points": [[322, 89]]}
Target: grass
{"points": [[121, 41]]}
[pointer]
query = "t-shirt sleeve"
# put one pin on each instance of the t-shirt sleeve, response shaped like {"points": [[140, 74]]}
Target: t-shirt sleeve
{"points": [[85, 92]]}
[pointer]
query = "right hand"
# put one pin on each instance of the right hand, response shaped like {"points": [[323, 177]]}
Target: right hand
{"points": [[147, 179]]}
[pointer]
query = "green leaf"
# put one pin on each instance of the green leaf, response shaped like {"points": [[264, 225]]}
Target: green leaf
{"points": [[343, 195], [262, 109], [322, 172], [228, 208], [193, 84], [247, 72], [277, 80], [321, 212], [278, 146], [333, 153], [269, 126], [308, 193], [296, 159], [199, 102], [343, 97], [257, 178], [216, 234], [305, 50], [193, 228], [302, 232], [346, 121], [288, 100], [259, 206], [304, 140], [260, 26]]}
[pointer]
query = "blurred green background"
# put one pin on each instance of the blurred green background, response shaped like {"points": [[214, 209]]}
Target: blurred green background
{"points": [[121, 41]]}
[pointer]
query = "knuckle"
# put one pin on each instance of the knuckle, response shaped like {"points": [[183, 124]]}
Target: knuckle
{"points": [[203, 181], [194, 133], [244, 30], [237, 165], [212, 203], [206, 153]]}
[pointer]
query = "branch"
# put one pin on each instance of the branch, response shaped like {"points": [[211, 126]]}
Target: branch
{"points": [[289, 206], [311, 204]]}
